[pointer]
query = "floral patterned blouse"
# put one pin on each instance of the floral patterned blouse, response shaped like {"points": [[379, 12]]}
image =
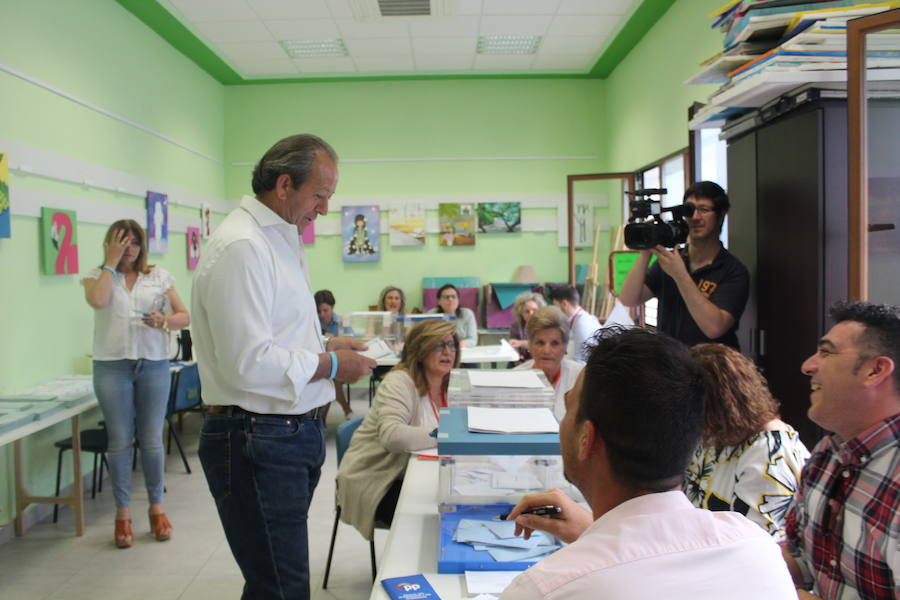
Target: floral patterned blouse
{"points": [[756, 478]]}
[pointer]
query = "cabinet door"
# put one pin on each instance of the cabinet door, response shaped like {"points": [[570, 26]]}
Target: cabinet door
{"points": [[742, 229], [790, 258]]}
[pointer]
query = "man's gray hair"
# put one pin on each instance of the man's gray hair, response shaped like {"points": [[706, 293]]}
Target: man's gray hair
{"points": [[294, 156]]}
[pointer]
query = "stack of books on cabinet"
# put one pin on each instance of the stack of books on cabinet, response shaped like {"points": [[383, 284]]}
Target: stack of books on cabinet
{"points": [[774, 46]]}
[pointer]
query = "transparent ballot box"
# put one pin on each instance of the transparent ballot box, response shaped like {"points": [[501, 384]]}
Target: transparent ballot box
{"points": [[464, 389], [368, 325], [488, 479], [483, 475]]}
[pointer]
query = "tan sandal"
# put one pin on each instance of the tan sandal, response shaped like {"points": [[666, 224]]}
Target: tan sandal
{"points": [[160, 527], [123, 536]]}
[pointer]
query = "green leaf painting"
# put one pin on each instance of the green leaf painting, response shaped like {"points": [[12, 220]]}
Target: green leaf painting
{"points": [[499, 217]]}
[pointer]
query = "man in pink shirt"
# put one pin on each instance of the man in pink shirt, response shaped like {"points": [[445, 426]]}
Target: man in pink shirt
{"points": [[632, 421]]}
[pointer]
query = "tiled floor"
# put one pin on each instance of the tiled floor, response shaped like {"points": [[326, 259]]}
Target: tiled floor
{"points": [[51, 562]]}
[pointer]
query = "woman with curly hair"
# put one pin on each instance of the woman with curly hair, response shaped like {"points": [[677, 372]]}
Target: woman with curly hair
{"points": [[749, 460]]}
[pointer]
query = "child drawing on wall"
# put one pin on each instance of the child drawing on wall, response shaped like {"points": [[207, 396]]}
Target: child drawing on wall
{"points": [[359, 240]]}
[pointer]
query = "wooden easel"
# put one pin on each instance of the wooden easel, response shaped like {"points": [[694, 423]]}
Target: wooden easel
{"points": [[591, 281]]}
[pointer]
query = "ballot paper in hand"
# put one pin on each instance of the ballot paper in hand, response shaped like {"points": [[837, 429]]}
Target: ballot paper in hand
{"points": [[511, 420], [377, 348]]}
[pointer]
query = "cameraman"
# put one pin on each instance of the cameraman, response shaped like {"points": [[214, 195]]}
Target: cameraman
{"points": [[702, 289]]}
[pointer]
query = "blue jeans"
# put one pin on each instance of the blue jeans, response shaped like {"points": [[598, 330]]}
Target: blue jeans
{"points": [[133, 395], [262, 471]]}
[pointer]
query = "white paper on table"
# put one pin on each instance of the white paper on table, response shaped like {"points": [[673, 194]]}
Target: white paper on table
{"points": [[377, 348], [486, 596], [511, 420], [488, 582], [505, 378]]}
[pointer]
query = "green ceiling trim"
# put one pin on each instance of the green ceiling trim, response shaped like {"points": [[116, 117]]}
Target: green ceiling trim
{"points": [[643, 19], [160, 20], [181, 38]]}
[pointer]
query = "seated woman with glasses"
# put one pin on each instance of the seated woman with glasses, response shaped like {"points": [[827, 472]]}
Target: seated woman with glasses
{"points": [[403, 414], [448, 303], [525, 306], [749, 460], [548, 336]]}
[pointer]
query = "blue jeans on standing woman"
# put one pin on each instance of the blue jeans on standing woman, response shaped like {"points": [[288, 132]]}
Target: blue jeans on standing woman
{"points": [[262, 471], [133, 395]]}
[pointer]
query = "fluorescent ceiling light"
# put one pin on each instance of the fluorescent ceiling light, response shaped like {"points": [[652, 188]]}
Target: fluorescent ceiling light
{"points": [[314, 48], [508, 44]]}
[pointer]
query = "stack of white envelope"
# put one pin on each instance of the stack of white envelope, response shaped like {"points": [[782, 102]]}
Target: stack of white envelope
{"points": [[499, 540]]}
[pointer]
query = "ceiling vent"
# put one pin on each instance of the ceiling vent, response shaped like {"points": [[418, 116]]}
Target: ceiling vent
{"points": [[392, 10], [405, 8]]}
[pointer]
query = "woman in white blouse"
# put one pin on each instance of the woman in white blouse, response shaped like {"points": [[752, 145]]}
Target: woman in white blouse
{"points": [[404, 412], [548, 336], [135, 306], [749, 460]]}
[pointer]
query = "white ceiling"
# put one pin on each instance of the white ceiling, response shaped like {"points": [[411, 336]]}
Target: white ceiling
{"points": [[245, 34]]}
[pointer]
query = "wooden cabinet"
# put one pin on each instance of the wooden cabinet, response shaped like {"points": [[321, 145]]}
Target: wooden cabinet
{"points": [[787, 180]]}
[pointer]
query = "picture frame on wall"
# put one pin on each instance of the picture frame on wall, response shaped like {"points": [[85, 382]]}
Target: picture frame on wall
{"points": [[457, 223], [157, 223], [5, 218], [59, 241], [361, 233], [205, 220], [193, 247]]}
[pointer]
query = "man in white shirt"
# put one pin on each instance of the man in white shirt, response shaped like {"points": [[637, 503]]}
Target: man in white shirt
{"points": [[266, 372], [632, 421], [582, 324]]}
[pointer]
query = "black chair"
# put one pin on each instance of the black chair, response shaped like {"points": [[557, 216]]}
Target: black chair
{"points": [[185, 396], [92, 440], [342, 441]]}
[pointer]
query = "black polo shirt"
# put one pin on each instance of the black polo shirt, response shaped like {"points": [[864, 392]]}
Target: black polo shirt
{"points": [[725, 282]]}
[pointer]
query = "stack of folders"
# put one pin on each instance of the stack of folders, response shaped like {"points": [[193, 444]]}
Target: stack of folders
{"points": [[771, 46], [499, 388]]}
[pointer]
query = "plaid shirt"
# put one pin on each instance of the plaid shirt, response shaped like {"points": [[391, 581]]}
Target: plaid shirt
{"points": [[844, 520]]}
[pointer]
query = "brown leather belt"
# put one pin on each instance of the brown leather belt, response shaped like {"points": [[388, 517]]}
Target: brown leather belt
{"points": [[233, 410]]}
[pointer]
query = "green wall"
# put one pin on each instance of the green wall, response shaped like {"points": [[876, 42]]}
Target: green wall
{"points": [[647, 103], [100, 53], [427, 119]]}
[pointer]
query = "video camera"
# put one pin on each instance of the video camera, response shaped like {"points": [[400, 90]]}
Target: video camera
{"points": [[646, 228]]}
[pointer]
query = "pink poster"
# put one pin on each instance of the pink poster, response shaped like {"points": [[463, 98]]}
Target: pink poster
{"points": [[309, 233], [193, 247]]}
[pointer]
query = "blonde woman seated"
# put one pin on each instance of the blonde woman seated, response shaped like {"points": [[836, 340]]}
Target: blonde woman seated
{"points": [[404, 412], [548, 336], [525, 305], [749, 460]]}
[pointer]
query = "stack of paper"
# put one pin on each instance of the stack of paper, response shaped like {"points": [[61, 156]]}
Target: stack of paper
{"points": [[498, 539], [511, 420], [499, 388]]}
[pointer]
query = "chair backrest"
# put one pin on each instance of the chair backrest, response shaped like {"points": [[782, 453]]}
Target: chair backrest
{"points": [[344, 433], [186, 389]]}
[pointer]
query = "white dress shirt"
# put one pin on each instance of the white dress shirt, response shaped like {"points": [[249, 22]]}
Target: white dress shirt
{"points": [[659, 546], [256, 328], [119, 331], [582, 327]]}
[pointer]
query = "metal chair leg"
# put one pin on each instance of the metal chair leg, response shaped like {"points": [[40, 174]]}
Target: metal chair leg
{"points": [[372, 554], [94, 478], [58, 477], [337, 517], [174, 434]]}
